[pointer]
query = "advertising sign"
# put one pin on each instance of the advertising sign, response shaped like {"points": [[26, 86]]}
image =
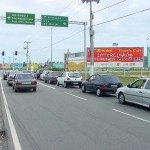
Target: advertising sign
{"points": [[148, 57], [118, 57], [76, 63], [58, 65]]}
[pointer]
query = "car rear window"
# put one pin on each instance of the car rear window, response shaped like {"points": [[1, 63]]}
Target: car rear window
{"points": [[74, 75], [56, 73], [110, 78], [25, 76]]}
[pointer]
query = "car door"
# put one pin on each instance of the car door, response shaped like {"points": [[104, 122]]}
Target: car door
{"points": [[62, 78], [146, 94], [134, 93], [89, 83]]}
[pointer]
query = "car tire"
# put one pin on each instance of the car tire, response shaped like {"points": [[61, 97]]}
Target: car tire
{"points": [[65, 85], [34, 89], [99, 92], [83, 89], [16, 90], [45, 81], [57, 83], [121, 98], [80, 86], [13, 87]]}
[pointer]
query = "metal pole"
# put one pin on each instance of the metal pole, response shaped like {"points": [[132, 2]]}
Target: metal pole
{"points": [[51, 48], [85, 53], [147, 54], [13, 60], [91, 40], [27, 52]]}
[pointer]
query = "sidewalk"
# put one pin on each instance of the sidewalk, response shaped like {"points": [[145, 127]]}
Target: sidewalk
{"points": [[3, 133]]}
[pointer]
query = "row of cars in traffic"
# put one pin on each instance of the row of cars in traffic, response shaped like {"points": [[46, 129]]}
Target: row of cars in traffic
{"points": [[137, 92]]}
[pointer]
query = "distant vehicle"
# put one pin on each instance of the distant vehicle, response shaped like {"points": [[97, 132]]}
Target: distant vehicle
{"points": [[70, 79], [137, 92], [5, 75], [10, 77], [24, 81], [101, 83], [42, 76], [38, 73], [26, 71], [51, 77]]}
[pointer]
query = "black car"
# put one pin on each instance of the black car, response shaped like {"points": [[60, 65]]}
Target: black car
{"points": [[101, 83], [51, 77], [5, 75], [38, 73]]}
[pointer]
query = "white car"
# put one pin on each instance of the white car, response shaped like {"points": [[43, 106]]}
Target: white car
{"points": [[137, 92], [70, 79], [43, 74]]}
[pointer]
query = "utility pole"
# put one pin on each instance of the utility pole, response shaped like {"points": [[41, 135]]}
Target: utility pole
{"points": [[27, 47], [91, 35], [13, 59], [51, 48]]}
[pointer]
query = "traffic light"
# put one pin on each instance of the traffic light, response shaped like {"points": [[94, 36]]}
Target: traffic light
{"points": [[16, 52], [3, 53]]}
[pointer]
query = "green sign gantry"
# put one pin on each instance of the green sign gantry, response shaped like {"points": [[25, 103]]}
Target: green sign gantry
{"points": [[20, 18], [58, 21]]}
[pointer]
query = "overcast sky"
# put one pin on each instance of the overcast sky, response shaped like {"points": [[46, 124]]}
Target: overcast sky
{"points": [[132, 31]]}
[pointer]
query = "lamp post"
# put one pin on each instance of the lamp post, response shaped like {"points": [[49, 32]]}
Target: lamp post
{"points": [[51, 48], [27, 48], [147, 54], [91, 35]]}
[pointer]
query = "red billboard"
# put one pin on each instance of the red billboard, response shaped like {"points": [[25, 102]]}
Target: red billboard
{"points": [[118, 57]]}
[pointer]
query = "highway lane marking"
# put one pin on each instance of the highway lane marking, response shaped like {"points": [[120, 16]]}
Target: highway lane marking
{"points": [[47, 86], [131, 115], [76, 96], [11, 124]]}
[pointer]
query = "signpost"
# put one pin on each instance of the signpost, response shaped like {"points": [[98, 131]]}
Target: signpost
{"points": [[20, 18], [58, 21]]}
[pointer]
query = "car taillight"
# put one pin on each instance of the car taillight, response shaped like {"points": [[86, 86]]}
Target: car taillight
{"points": [[18, 83], [34, 82], [103, 86], [11, 77], [68, 78]]}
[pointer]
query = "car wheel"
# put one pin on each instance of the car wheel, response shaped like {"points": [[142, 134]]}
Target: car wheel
{"points": [[121, 98], [57, 83], [13, 87], [45, 81], [83, 89], [80, 86], [34, 89], [99, 92], [49, 81], [65, 85], [16, 90]]}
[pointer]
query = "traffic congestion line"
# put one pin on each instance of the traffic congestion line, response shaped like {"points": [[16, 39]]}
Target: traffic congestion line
{"points": [[76, 96], [131, 115], [11, 124], [47, 86]]}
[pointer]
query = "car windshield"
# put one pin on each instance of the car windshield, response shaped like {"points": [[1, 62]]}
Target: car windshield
{"points": [[25, 76], [110, 78], [74, 75]]}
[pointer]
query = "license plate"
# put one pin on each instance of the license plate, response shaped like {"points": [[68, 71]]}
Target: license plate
{"points": [[113, 86], [26, 82]]}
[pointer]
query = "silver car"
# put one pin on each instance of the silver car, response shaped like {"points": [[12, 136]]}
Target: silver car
{"points": [[137, 92], [24, 81], [10, 76]]}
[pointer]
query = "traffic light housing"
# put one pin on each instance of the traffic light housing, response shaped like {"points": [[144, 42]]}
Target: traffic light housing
{"points": [[16, 52], [3, 53]]}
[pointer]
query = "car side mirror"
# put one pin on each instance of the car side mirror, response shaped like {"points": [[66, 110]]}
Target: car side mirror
{"points": [[128, 85]]}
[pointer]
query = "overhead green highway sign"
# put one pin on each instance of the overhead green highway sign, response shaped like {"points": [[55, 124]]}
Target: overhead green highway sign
{"points": [[59, 21], [20, 18]]}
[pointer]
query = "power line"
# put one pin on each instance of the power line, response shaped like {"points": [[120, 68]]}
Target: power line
{"points": [[122, 17], [109, 6]]}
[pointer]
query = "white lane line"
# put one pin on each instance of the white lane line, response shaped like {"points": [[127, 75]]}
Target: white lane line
{"points": [[76, 96], [11, 124], [131, 115], [47, 85]]}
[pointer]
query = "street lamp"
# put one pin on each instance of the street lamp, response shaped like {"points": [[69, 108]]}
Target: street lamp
{"points": [[91, 35], [27, 48]]}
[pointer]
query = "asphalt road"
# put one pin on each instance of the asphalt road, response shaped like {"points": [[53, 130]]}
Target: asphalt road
{"points": [[57, 118]]}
